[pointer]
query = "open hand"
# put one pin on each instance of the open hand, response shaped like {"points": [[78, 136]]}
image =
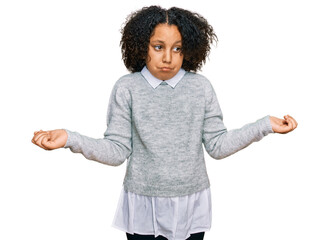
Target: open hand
{"points": [[285, 125], [50, 140]]}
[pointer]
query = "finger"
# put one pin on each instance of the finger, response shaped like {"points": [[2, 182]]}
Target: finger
{"points": [[35, 137], [38, 136], [38, 131], [285, 125], [285, 122], [291, 122], [292, 125], [46, 143], [294, 121], [39, 145], [286, 118], [42, 139]]}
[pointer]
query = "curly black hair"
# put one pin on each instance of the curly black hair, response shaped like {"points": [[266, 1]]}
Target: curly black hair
{"points": [[197, 36]]}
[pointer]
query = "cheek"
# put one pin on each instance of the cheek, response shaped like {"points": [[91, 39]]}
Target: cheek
{"points": [[180, 59], [154, 58], [149, 55]]}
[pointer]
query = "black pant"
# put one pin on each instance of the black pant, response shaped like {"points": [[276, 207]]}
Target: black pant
{"points": [[196, 236]]}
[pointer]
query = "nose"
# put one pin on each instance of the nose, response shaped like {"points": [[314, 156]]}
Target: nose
{"points": [[166, 58]]}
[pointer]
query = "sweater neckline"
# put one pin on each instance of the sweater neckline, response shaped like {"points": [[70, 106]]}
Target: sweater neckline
{"points": [[155, 82]]}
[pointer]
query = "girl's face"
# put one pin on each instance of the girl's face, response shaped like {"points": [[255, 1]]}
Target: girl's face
{"points": [[164, 54]]}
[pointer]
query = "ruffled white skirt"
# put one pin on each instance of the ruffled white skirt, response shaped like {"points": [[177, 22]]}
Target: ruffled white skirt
{"points": [[175, 218]]}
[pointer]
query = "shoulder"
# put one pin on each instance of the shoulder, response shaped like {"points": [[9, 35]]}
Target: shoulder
{"points": [[199, 80], [128, 83], [123, 86], [129, 80], [203, 84]]}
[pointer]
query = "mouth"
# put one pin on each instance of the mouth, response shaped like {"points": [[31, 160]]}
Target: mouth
{"points": [[165, 69]]}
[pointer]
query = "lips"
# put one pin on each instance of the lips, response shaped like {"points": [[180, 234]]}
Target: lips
{"points": [[166, 69]]}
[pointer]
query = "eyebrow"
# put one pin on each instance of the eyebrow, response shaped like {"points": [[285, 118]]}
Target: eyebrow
{"points": [[160, 41]]}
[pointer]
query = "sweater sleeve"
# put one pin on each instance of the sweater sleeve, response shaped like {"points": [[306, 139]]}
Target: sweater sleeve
{"points": [[116, 145], [221, 143]]}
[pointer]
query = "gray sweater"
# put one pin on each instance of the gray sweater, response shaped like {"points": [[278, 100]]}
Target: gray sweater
{"points": [[161, 131]]}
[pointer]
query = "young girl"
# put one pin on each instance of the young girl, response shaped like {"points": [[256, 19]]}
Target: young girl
{"points": [[158, 118]]}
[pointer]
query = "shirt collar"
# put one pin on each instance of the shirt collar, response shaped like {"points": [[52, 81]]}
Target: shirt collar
{"points": [[154, 82]]}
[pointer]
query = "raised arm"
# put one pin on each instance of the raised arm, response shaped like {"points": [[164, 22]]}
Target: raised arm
{"points": [[221, 143], [116, 145]]}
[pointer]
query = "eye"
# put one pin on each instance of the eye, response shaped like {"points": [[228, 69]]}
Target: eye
{"points": [[157, 47], [177, 49]]}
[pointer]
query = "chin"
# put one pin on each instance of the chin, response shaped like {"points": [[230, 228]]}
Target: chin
{"points": [[166, 76]]}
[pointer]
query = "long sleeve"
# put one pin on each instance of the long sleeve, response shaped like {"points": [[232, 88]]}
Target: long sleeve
{"points": [[221, 143], [116, 145]]}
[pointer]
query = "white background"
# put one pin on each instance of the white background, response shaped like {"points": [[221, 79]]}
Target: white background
{"points": [[58, 63]]}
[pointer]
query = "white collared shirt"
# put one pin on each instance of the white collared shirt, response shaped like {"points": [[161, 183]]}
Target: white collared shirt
{"points": [[155, 82]]}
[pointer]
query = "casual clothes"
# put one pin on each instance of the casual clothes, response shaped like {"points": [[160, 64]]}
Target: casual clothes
{"points": [[160, 127]]}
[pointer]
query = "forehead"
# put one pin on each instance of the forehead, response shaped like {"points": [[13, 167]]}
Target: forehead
{"points": [[166, 32]]}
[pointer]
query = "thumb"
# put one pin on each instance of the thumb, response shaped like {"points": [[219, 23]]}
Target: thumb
{"points": [[48, 144]]}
